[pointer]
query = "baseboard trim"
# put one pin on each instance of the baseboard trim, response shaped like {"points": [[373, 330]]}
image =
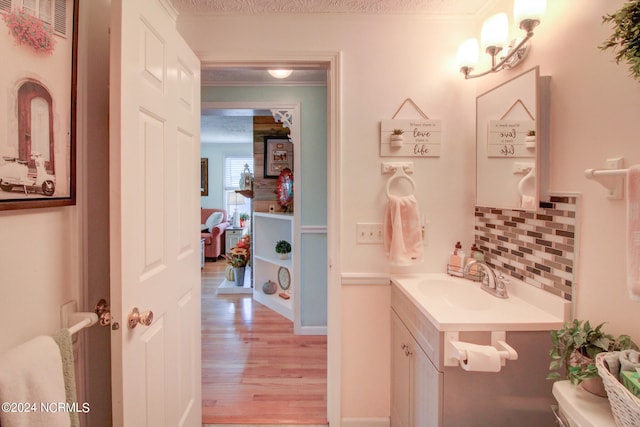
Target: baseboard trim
{"points": [[313, 330], [366, 422]]}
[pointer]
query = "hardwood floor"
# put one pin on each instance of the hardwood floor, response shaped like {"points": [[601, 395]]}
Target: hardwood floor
{"points": [[254, 369]]}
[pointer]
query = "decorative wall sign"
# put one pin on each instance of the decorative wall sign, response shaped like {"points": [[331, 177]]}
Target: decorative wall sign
{"points": [[421, 138], [507, 138]]}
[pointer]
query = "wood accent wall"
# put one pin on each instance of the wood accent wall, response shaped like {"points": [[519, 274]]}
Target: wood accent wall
{"points": [[264, 188]]}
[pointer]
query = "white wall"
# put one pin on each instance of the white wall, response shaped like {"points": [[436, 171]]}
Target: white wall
{"points": [[47, 255]]}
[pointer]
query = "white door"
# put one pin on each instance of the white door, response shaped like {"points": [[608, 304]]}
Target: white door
{"points": [[154, 214]]}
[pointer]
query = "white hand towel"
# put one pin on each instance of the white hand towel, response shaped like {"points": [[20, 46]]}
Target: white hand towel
{"points": [[403, 231], [633, 232], [32, 373]]}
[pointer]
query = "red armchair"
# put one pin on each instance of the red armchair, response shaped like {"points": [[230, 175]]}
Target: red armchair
{"points": [[213, 238]]}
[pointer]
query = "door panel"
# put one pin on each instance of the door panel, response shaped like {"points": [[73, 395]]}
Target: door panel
{"points": [[154, 213]]}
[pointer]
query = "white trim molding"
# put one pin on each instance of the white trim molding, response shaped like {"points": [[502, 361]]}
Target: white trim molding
{"points": [[366, 422], [367, 279]]}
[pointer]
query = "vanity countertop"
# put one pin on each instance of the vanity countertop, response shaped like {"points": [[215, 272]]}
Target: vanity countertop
{"points": [[456, 304]]}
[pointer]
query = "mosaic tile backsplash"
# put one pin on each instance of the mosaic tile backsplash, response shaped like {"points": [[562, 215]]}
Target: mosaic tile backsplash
{"points": [[537, 248]]}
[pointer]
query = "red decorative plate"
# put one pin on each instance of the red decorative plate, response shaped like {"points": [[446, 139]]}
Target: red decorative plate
{"points": [[284, 190]]}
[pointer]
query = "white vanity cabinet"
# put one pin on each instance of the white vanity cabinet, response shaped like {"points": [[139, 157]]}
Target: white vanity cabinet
{"points": [[427, 392], [415, 382]]}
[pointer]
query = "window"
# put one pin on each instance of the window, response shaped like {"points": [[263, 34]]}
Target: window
{"points": [[5, 5], [233, 168], [51, 12]]}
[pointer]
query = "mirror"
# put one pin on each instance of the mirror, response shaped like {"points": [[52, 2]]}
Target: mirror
{"points": [[512, 143]]}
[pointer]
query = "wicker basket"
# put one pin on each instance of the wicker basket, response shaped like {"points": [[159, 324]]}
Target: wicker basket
{"points": [[624, 405]]}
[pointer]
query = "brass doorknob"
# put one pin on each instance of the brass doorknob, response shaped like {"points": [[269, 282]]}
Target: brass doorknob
{"points": [[102, 309], [136, 317]]}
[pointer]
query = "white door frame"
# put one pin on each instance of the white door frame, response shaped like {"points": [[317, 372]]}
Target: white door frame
{"points": [[332, 62]]}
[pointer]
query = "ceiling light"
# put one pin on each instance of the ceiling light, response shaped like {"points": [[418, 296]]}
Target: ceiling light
{"points": [[280, 74], [527, 13]]}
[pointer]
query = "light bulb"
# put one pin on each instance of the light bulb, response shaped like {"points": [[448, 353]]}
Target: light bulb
{"points": [[494, 31], [468, 53], [529, 13], [280, 74]]}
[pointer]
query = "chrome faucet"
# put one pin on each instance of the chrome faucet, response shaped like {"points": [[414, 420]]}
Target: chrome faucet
{"points": [[496, 285]]}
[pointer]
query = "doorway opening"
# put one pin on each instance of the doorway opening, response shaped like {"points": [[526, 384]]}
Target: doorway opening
{"points": [[248, 310]]}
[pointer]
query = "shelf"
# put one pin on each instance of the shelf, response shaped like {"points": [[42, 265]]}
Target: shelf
{"points": [[230, 288], [282, 306], [246, 193], [268, 229], [275, 260]]}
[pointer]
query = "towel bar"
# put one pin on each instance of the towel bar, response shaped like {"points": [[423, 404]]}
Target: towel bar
{"points": [[611, 178], [75, 320]]}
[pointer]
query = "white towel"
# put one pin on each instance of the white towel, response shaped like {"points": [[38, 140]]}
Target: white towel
{"points": [[633, 232], [32, 373], [403, 231], [528, 202]]}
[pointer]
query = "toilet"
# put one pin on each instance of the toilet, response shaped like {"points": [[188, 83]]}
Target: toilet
{"points": [[579, 408]]}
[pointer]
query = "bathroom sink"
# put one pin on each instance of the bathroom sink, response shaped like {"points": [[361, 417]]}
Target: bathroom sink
{"points": [[456, 294], [456, 304]]}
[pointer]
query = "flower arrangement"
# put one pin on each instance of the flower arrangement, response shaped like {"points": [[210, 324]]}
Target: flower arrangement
{"points": [[240, 254], [28, 29]]}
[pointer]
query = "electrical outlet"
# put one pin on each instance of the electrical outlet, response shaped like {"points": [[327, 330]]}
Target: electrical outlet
{"points": [[369, 233]]}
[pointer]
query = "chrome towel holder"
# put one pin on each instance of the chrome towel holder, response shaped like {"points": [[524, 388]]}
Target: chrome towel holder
{"points": [[611, 177]]}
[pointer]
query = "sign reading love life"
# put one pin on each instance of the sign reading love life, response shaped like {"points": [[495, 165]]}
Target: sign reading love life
{"points": [[507, 138], [420, 138]]}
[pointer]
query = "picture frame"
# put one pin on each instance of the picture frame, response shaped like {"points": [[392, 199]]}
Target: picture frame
{"points": [[204, 177], [38, 147], [278, 155]]}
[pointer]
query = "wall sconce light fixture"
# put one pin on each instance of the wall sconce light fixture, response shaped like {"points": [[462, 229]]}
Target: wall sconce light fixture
{"points": [[493, 36], [280, 74]]}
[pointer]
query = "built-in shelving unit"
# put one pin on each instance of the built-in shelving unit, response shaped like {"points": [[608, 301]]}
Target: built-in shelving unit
{"points": [[267, 230]]}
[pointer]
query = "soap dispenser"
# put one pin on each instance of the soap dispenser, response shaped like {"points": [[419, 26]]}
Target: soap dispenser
{"points": [[474, 254], [456, 261]]}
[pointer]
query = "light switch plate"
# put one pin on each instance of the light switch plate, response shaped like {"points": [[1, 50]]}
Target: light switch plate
{"points": [[369, 233]]}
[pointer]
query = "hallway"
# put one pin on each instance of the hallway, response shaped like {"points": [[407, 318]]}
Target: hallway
{"points": [[254, 370]]}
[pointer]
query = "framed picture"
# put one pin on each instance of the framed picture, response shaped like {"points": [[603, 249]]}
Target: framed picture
{"points": [[38, 115], [278, 154], [204, 177]]}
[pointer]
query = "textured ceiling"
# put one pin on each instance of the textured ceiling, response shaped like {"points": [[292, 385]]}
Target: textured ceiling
{"points": [[435, 7]]}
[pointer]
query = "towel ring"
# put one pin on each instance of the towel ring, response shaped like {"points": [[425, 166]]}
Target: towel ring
{"points": [[400, 174], [526, 180]]}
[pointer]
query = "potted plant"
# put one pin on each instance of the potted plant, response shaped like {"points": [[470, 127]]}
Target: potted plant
{"points": [[530, 139], [396, 138], [574, 348], [624, 39], [243, 218], [283, 248], [238, 258]]}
